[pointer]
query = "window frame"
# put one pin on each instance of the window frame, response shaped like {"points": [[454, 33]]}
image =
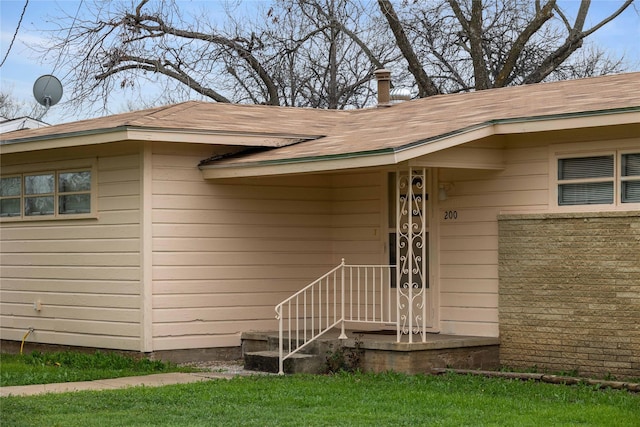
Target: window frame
{"points": [[590, 180], [617, 180], [25, 196], [14, 196], [60, 194], [626, 178], [56, 216]]}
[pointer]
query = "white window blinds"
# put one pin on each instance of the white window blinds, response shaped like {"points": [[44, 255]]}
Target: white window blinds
{"points": [[586, 180], [630, 171]]}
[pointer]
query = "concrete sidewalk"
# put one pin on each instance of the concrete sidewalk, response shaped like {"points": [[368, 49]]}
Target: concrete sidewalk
{"points": [[154, 380]]}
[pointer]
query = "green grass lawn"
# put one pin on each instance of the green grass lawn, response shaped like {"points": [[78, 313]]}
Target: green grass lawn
{"points": [[333, 400], [58, 367]]}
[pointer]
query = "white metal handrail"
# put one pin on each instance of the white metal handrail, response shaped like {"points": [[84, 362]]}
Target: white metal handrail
{"points": [[347, 293]]}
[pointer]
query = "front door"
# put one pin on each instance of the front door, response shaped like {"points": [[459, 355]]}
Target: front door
{"points": [[409, 249]]}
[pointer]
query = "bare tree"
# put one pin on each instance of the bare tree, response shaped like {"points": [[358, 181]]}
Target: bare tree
{"points": [[327, 52], [320, 53], [316, 53], [475, 45], [13, 108], [10, 108]]}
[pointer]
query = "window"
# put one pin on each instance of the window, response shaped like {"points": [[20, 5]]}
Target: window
{"points": [[74, 192], [585, 181], [10, 192], [39, 195], [46, 194], [594, 181], [630, 171]]}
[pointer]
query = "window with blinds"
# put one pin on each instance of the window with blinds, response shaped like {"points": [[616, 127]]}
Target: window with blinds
{"points": [[595, 180], [586, 180], [630, 177]]}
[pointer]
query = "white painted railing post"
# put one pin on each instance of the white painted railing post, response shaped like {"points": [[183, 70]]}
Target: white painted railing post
{"points": [[342, 336], [280, 344], [398, 296]]}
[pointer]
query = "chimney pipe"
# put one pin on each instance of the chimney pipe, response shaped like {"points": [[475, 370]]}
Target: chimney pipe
{"points": [[383, 76]]}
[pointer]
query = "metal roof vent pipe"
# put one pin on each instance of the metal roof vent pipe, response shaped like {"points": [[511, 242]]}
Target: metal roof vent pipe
{"points": [[400, 94], [383, 76]]}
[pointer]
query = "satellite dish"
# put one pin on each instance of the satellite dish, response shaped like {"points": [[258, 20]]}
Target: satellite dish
{"points": [[48, 90]]}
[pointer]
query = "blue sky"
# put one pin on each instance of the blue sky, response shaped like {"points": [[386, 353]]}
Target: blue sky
{"points": [[22, 67]]}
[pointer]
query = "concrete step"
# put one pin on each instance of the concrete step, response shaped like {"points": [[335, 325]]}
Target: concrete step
{"points": [[259, 341], [267, 361]]}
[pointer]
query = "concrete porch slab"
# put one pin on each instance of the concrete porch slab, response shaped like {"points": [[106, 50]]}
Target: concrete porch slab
{"points": [[381, 351]]}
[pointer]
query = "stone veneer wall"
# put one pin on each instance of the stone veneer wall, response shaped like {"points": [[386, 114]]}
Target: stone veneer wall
{"points": [[569, 296]]}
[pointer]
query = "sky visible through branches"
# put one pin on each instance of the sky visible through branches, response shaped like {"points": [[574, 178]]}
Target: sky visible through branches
{"points": [[22, 66]]}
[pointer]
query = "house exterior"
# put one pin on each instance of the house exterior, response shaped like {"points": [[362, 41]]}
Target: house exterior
{"points": [[176, 229], [9, 125]]}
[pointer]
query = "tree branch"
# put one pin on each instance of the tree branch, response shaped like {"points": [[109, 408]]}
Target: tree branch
{"points": [[374, 60], [608, 18], [426, 87], [244, 53], [156, 66], [473, 29], [542, 16], [572, 43], [567, 24]]}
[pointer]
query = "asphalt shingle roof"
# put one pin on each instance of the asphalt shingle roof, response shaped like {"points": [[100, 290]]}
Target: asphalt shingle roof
{"points": [[406, 123], [357, 131]]}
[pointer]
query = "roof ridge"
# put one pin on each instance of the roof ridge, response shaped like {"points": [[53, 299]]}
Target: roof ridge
{"points": [[155, 113], [563, 86]]}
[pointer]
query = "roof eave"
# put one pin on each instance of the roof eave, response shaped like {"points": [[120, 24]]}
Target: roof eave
{"points": [[73, 139], [297, 166], [392, 156], [136, 133]]}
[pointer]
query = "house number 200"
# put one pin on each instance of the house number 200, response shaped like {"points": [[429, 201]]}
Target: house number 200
{"points": [[450, 215]]}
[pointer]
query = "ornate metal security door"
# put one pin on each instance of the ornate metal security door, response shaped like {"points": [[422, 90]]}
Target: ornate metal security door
{"points": [[412, 245]]}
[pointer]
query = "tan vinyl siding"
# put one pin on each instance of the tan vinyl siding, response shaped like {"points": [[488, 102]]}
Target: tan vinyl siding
{"points": [[226, 252], [468, 258], [358, 204], [83, 272]]}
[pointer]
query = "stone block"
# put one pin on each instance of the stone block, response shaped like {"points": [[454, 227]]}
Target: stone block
{"points": [[568, 291], [268, 361]]}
